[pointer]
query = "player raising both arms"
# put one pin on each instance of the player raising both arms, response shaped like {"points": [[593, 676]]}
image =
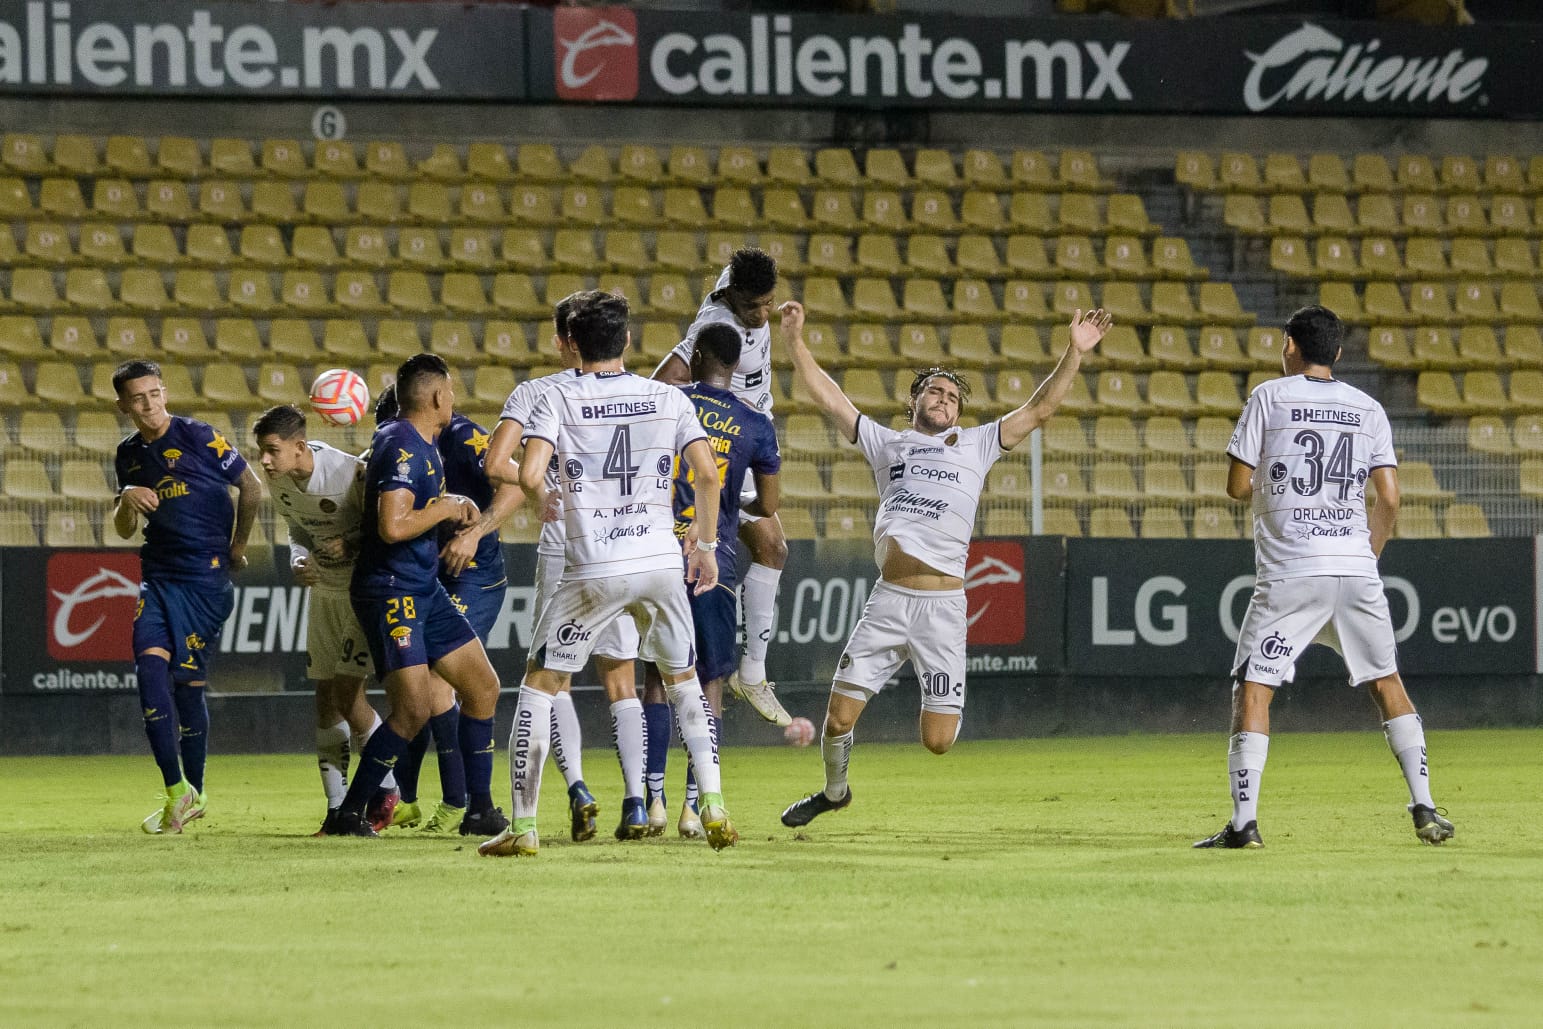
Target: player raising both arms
{"points": [[616, 646], [1304, 450], [929, 478], [616, 437], [744, 444], [407, 617], [743, 301], [176, 473], [318, 491]]}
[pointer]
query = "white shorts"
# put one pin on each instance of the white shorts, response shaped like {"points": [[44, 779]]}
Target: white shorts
{"points": [[747, 496], [334, 642], [574, 622], [619, 640], [1349, 614], [928, 627]]}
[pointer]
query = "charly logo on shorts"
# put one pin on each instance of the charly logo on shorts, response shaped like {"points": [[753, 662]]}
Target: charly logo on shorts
{"points": [[570, 633], [1274, 647], [1277, 472], [403, 636]]}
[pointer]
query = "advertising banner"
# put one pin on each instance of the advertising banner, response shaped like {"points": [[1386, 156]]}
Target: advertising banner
{"points": [[1173, 608], [359, 49], [1216, 65]]}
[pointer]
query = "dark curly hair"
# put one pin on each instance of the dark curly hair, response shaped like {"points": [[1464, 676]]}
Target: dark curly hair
{"points": [[920, 382]]}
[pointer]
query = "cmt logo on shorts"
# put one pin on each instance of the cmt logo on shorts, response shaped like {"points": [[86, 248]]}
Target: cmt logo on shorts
{"points": [[90, 605], [993, 588], [570, 633], [403, 636], [1274, 647], [596, 53]]}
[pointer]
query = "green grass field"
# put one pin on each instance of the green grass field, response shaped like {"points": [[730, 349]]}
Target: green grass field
{"points": [[1027, 882]]}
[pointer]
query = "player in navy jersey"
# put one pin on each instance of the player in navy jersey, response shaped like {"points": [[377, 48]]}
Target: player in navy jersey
{"points": [[743, 442], [176, 473], [407, 617]]}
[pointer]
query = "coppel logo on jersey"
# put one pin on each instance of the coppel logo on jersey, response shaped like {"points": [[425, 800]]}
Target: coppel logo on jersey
{"points": [[90, 605], [596, 53]]}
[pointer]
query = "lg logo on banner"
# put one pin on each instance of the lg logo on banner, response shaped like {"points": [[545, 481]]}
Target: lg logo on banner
{"points": [[90, 605], [597, 53]]}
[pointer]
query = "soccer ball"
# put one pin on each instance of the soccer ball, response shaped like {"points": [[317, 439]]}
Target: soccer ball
{"points": [[799, 732], [340, 396]]}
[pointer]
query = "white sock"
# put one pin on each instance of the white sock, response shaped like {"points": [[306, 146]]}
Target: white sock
{"points": [[692, 717], [1246, 753], [566, 739], [837, 754], [627, 724], [361, 738], [332, 762], [758, 596], [1406, 738], [529, 739]]}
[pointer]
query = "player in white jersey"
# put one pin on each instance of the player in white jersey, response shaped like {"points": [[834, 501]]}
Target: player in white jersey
{"points": [[743, 299], [1304, 449], [616, 437], [929, 479], [617, 645], [318, 491]]}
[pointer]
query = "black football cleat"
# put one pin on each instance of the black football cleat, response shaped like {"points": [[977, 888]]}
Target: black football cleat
{"points": [[484, 823], [349, 823], [807, 810], [1246, 838], [1429, 826]]}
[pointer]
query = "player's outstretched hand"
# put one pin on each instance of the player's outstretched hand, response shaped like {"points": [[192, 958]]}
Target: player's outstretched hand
{"points": [[552, 508], [140, 499], [238, 557], [460, 551], [701, 570], [1089, 328], [792, 320]]}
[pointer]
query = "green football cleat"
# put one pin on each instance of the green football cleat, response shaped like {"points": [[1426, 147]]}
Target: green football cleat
{"points": [[406, 815], [510, 843], [183, 805], [445, 821], [721, 833]]}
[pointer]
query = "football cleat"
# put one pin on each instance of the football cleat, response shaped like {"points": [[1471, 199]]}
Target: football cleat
{"points": [[582, 809], [634, 820], [1429, 826], [807, 810], [761, 696], [658, 815], [721, 833], [381, 810], [331, 814], [690, 823], [509, 843], [406, 815], [181, 806], [349, 823], [484, 823], [445, 820], [1246, 838], [197, 807]]}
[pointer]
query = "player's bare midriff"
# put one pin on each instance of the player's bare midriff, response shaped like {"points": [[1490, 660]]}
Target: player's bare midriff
{"points": [[903, 570]]}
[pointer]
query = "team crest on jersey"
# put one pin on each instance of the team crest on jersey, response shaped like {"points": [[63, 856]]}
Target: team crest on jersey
{"points": [[403, 635], [845, 662], [172, 456], [193, 641], [327, 506], [896, 471]]}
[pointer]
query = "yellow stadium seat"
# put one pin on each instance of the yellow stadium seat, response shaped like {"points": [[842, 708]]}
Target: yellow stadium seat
{"points": [[1115, 434], [344, 340], [461, 293], [1428, 301], [931, 209], [582, 204], [782, 209], [1211, 475], [1371, 172], [1123, 300], [398, 339], [886, 167], [733, 208], [153, 244], [1289, 256], [1422, 213], [1375, 213], [409, 291], [280, 384], [1162, 522], [263, 245], [504, 342], [1327, 172], [1079, 213], [922, 300], [1026, 256], [1110, 523], [1425, 257], [1508, 214], [49, 242], [1074, 255], [1467, 521], [514, 294], [470, 248], [634, 205], [983, 168], [1195, 170], [20, 338], [920, 347], [1013, 388], [87, 288], [788, 166], [1164, 434], [1416, 173], [1384, 303], [292, 340], [1171, 303], [1171, 259], [180, 157], [1389, 346], [1519, 302], [1437, 391], [849, 480], [274, 202], [366, 245], [128, 337], [1030, 212], [976, 255], [1287, 213], [283, 157], [1331, 213], [234, 338], [683, 208], [1465, 214], [823, 298], [574, 250], [13, 388], [968, 345], [1124, 256], [783, 248], [1240, 171], [877, 253], [1213, 523], [1218, 348], [69, 528], [62, 198], [33, 289], [1068, 298], [830, 253], [870, 346], [1031, 170], [981, 210], [221, 201], [1168, 392], [168, 201], [882, 209], [1063, 481], [847, 523], [1079, 170], [835, 166], [1022, 346], [1528, 432], [1342, 299], [1433, 348], [225, 386], [15, 201], [76, 155], [866, 389], [1488, 434], [209, 245], [1470, 257], [386, 160], [1120, 347], [73, 337], [324, 201], [1380, 259], [1475, 302], [1526, 390], [251, 290], [358, 291], [1513, 257], [1459, 174], [40, 432], [1216, 392], [1524, 346], [1168, 347], [670, 296], [335, 159], [442, 164], [24, 152], [1241, 211], [873, 298], [1026, 300]]}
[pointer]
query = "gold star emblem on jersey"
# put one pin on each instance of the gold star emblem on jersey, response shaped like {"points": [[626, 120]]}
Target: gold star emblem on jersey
{"points": [[478, 441], [219, 445]]}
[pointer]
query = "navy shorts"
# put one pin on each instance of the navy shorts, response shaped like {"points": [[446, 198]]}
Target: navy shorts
{"points": [[186, 619], [480, 604], [717, 633], [408, 630]]}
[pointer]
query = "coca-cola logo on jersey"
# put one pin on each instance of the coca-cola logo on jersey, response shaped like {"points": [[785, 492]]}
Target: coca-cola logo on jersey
{"points": [[993, 588], [1313, 64], [90, 605], [597, 53]]}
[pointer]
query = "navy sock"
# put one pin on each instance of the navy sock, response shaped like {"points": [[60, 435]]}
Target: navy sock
{"points": [[157, 707], [656, 723], [193, 716], [452, 774], [381, 755], [411, 766], [476, 739]]}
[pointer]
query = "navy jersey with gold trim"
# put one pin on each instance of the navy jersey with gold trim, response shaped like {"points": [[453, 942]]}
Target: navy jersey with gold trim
{"points": [[462, 447], [399, 458], [742, 440], [190, 468]]}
